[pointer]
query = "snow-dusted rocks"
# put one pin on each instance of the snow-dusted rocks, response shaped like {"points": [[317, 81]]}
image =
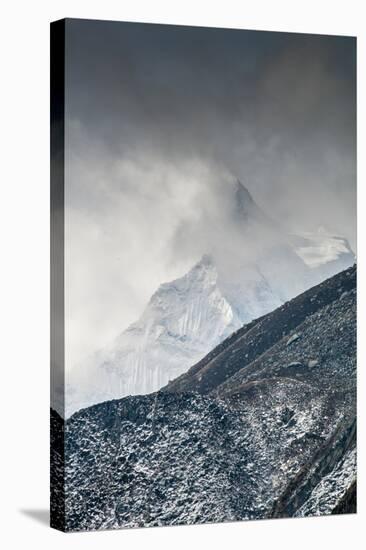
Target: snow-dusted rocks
{"points": [[241, 435]]}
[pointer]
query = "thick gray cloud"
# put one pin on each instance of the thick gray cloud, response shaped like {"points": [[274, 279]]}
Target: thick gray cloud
{"points": [[159, 120]]}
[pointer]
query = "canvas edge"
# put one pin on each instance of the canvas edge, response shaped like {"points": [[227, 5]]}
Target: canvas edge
{"points": [[57, 297]]}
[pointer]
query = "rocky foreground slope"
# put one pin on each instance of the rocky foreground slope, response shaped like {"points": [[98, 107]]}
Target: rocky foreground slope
{"points": [[264, 426]]}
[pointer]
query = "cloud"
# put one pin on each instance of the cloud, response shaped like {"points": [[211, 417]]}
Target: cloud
{"points": [[159, 120]]}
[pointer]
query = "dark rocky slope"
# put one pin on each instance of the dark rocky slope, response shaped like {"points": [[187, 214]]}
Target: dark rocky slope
{"points": [[254, 339], [263, 427]]}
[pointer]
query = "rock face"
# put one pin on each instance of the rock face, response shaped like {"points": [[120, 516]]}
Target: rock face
{"points": [[188, 317], [263, 426]]}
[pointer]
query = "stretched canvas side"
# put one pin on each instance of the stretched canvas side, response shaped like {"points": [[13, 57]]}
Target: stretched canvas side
{"points": [[57, 467]]}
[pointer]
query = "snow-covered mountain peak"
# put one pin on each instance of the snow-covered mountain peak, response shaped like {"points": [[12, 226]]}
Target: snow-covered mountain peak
{"points": [[323, 253], [319, 248], [242, 196], [203, 273], [251, 270], [182, 321], [248, 216], [245, 206], [172, 299]]}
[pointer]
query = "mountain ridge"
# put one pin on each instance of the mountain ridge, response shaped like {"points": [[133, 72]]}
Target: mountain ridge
{"points": [[263, 333], [189, 316], [276, 439]]}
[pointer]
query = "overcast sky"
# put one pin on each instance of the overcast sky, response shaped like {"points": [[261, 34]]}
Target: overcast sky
{"points": [[160, 119]]}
